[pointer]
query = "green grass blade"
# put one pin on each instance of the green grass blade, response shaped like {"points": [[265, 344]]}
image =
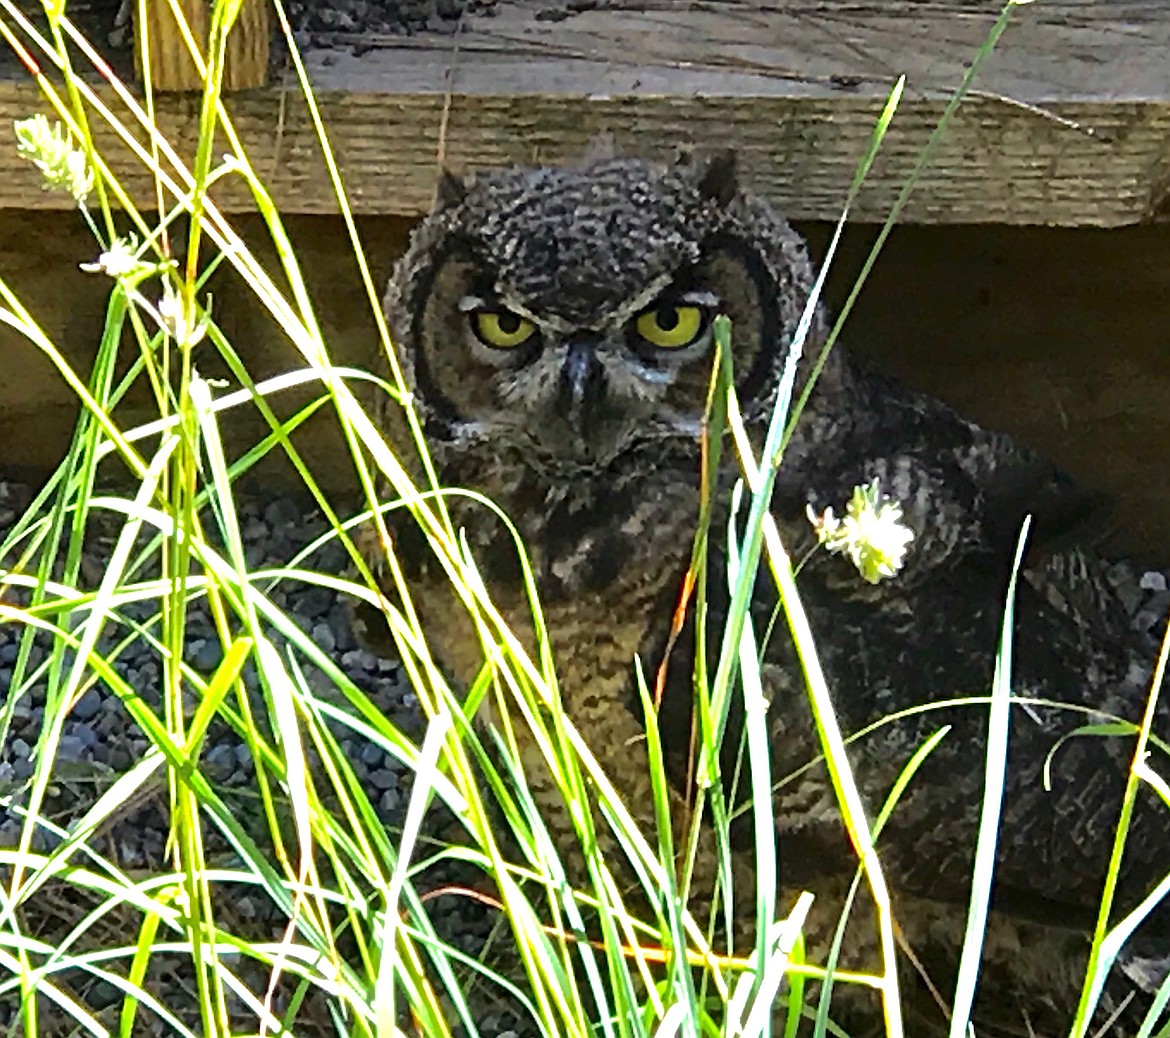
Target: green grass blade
{"points": [[995, 765], [1098, 966]]}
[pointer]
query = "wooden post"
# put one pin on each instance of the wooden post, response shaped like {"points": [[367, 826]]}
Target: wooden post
{"points": [[171, 66]]}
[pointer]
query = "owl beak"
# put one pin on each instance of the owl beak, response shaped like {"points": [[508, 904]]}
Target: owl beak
{"points": [[582, 387]]}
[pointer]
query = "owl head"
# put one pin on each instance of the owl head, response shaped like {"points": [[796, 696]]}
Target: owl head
{"points": [[567, 313]]}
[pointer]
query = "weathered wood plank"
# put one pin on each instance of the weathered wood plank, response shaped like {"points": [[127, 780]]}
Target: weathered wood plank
{"points": [[171, 65], [1055, 50], [1070, 124]]}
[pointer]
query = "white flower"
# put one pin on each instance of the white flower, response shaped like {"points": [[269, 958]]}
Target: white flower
{"points": [[871, 533], [186, 331], [48, 147], [120, 260]]}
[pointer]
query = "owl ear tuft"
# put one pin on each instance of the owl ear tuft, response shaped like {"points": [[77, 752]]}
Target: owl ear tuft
{"points": [[716, 177], [450, 190]]}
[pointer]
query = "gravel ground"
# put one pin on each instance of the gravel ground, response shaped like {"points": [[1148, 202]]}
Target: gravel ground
{"points": [[99, 741], [324, 23], [322, 18]]}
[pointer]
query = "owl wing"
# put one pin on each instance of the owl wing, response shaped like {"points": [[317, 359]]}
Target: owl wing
{"points": [[997, 479], [1016, 481], [907, 672], [963, 490], [898, 672]]}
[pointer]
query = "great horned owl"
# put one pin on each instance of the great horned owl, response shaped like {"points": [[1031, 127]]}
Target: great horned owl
{"points": [[555, 326]]}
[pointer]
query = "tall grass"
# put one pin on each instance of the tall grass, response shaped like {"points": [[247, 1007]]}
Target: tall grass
{"points": [[356, 951]]}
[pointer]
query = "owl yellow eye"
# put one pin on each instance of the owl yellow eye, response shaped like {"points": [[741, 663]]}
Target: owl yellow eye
{"points": [[670, 326], [501, 329]]}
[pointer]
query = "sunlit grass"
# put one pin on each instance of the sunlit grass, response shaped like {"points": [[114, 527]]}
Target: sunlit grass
{"points": [[356, 951]]}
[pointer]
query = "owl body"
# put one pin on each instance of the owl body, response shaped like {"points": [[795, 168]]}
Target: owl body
{"points": [[554, 326]]}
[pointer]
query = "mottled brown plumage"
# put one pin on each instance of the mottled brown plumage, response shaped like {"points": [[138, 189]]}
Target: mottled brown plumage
{"points": [[567, 410]]}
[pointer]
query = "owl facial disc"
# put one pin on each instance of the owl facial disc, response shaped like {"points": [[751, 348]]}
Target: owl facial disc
{"points": [[565, 314]]}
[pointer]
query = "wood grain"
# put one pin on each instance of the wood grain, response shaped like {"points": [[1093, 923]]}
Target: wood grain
{"points": [[171, 65], [1070, 125]]}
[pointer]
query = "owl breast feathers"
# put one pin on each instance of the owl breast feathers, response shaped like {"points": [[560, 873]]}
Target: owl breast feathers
{"points": [[555, 326]]}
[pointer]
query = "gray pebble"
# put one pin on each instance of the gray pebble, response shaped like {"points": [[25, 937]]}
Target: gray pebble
{"points": [[339, 625], [1148, 622], [146, 677], [204, 654], [1138, 675], [316, 601], [383, 778], [88, 706], [109, 723], [281, 512], [388, 689], [391, 798], [102, 994], [253, 530], [220, 761], [1153, 581], [1130, 594], [331, 558], [341, 21], [372, 754], [318, 681], [71, 748], [20, 749], [199, 623], [84, 734], [323, 635], [409, 723], [359, 660], [118, 758], [1153, 611]]}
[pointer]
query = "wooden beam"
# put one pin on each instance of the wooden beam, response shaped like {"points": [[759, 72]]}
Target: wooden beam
{"points": [[1069, 125], [171, 65]]}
